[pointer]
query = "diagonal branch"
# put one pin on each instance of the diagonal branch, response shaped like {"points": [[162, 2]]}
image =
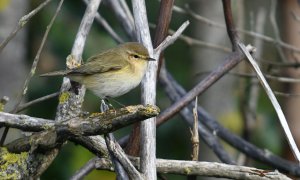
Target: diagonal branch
{"points": [[274, 102]]}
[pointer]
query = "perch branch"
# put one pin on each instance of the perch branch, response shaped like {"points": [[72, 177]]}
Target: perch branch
{"points": [[82, 126]]}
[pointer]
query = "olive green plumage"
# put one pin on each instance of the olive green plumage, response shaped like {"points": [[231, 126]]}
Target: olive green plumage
{"points": [[113, 72]]}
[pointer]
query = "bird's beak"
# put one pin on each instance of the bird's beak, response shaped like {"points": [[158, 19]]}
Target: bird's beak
{"points": [[151, 59]]}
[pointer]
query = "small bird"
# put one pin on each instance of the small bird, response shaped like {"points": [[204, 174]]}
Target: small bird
{"points": [[113, 72]]}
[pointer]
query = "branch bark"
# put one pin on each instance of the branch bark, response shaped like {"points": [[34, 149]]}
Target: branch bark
{"points": [[208, 169], [148, 127]]}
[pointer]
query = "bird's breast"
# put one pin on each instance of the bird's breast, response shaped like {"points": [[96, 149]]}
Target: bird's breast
{"points": [[114, 83]]}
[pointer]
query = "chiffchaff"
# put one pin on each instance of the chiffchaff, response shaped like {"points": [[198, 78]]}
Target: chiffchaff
{"points": [[113, 72]]}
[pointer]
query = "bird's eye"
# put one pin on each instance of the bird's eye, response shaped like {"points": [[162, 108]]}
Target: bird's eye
{"points": [[135, 56]]}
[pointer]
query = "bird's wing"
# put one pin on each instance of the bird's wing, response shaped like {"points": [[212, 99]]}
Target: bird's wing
{"points": [[101, 63]]}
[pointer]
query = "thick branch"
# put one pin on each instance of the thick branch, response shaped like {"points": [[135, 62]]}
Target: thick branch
{"points": [[80, 126]]}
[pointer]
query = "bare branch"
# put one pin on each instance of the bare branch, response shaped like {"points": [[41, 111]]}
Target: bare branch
{"points": [[194, 133], [148, 127], [25, 122], [36, 101], [171, 39], [100, 123], [37, 57], [231, 30], [229, 62]]}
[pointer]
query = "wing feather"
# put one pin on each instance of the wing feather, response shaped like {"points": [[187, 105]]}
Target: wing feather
{"points": [[101, 63]]}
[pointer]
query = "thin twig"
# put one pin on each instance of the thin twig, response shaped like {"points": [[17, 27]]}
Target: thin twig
{"points": [[231, 30], [85, 170], [171, 39], [195, 137], [37, 57], [36, 101], [22, 22], [274, 102], [229, 62], [267, 76], [194, 133]]}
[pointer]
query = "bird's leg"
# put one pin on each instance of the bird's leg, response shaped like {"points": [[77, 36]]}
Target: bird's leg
{"points": [[104, 107]]}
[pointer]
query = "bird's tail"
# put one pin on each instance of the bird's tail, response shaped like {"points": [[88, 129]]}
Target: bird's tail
{"points": [[57, 73]]}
